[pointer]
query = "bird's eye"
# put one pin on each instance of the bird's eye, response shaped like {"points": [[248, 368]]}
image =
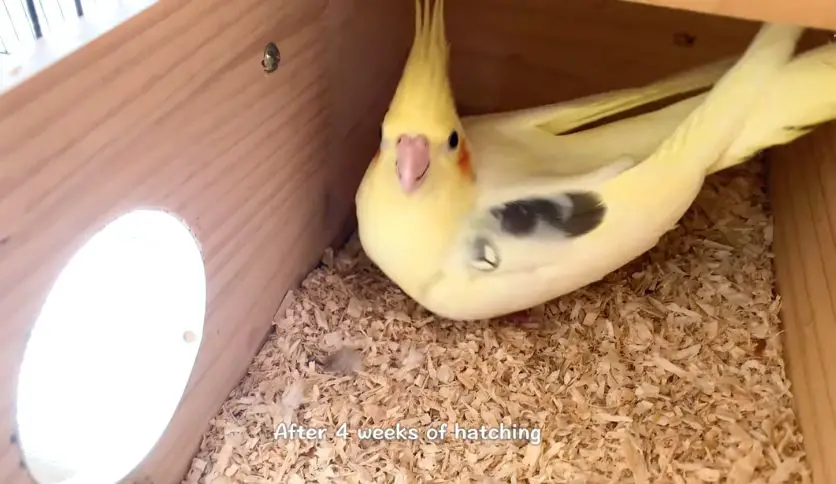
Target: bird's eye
{"points": [[453, 140]]}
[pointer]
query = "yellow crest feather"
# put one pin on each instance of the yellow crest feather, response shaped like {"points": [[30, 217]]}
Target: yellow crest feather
{"points": [[424, 99]]}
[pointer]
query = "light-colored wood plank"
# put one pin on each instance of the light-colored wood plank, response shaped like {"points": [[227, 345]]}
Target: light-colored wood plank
{"points": [[803, 194], [172, 109], [792, 290], [811, 13]]}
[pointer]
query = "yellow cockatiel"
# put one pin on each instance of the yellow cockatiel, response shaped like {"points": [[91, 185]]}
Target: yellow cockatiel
{"points": [[489, 215]]}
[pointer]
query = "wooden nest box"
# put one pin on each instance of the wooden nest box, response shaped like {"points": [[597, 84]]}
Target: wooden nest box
{"points": [[251, 123]]}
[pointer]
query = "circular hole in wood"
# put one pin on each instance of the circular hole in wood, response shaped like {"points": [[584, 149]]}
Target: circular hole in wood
{"points": [[105, 366], [189, 336]]}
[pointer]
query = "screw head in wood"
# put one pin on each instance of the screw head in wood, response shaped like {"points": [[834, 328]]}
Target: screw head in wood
{"points": [[271, 58]]}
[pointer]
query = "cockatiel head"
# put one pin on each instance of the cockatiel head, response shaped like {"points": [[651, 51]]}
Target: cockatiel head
{"points": [[419, 187], [421, 133]]}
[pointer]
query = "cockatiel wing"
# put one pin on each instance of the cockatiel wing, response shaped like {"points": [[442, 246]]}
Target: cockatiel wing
{"points": [[539, 141], [504, 154], [532, 242], [565, 116], [799, 99], [511, 146], [536, 141]]}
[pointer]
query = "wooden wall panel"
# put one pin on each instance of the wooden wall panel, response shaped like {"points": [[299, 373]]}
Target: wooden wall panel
{"points": [[368, 45], [513, 54], [173, 110], [803, 196], [812, 13], [522, 53]]}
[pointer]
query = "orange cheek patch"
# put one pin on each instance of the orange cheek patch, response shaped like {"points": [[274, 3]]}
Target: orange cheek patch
{"points": [[464, 162]]}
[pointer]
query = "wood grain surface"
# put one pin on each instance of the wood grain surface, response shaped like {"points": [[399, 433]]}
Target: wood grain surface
{"points": [[173, 110], [803, 196], [513, 54], [810, 13]]}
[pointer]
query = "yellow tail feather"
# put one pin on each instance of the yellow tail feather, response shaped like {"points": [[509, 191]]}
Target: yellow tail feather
{"points": [[802, 96]]}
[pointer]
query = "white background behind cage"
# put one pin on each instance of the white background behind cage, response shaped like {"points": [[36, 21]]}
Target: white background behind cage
{"points": [[17, 31]]}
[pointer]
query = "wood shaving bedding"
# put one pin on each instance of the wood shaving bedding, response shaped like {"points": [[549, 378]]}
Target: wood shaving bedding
{"points": [[669, 370]]}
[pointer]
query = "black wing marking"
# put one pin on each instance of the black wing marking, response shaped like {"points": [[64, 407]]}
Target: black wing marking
{"points": [[566, 215], [572, 214]]}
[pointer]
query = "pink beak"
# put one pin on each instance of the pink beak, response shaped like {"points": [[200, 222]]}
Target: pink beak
{"points": [[413, 161]]}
